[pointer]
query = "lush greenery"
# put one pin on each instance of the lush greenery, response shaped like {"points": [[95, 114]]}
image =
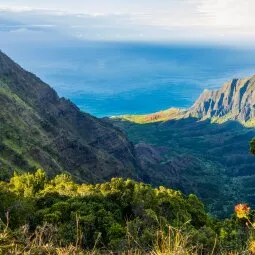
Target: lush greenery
{"points": [[172, 113], [209, 160], [39, 215], [41, 130], [119, 215]]}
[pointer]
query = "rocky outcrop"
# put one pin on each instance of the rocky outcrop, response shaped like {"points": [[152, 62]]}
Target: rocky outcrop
{"points": [[234, 101]]}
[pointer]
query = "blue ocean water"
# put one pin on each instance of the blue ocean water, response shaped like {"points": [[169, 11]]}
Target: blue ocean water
{"points": [[108, 79]]}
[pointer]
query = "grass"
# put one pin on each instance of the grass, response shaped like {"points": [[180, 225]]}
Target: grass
{"points": [[172, 113], [42, 241], [178, 114]]}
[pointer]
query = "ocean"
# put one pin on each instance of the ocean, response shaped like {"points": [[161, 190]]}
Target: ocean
{"points": [[110, 78]]}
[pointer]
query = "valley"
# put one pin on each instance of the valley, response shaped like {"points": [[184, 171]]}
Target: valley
{"points": [[203, 149]]}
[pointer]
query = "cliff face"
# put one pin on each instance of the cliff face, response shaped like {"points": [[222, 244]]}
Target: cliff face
{"points": [[39, 129], [212, 161], [234, 101]]}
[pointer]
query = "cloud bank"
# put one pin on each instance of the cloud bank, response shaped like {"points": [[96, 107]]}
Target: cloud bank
{"points": [[205, 21]]}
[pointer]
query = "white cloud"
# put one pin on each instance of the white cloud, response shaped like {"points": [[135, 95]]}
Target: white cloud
{"points": [[10, 8], [228, 13], [172, 20]]}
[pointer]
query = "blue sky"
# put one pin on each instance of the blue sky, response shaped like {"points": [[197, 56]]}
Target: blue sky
{"points": [[204, 21]]}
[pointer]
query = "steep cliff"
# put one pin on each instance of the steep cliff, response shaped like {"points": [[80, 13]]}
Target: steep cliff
{"points": [[40, 129], [234, 101], [186, 151]]}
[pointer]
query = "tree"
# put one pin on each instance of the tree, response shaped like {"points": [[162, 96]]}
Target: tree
{"points": [[252, 146], [28, 184]]}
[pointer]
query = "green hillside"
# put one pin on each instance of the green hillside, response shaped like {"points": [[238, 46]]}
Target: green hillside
{"points": [[40, 129], [210, 160], [165, 115], [234, 101], [61, 216]]}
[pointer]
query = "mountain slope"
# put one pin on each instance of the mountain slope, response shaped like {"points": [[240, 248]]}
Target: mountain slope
{"points": [[165, 115], [208, 159], [202, 150], [234, 101], [39, 129]]}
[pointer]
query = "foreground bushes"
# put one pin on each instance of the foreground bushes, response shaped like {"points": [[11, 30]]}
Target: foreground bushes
{"points": [[120, 215]]}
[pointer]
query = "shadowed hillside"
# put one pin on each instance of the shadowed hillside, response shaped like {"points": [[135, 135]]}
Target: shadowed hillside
{"points": [[210, 160], [185, 150], [39, 129]]}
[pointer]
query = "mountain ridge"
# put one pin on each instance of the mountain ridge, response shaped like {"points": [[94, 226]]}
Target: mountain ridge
{"points": [[235, 100], [202, 150], [40, 129]]}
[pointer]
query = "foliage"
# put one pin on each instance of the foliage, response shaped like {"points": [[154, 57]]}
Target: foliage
{"points": [[28, 185], [41, 130], [209, 160], [103, 213], [243, 212], [172, 113], [252, 146], [120, 215]]}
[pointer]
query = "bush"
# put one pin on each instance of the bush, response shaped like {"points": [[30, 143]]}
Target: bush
{"points": [[117, 215]]}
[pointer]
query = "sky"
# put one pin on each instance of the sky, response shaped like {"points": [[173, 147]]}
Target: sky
{"points": [[185, 21]]}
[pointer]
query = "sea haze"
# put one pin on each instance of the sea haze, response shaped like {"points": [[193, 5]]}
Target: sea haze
{"points": [[108, 79]]}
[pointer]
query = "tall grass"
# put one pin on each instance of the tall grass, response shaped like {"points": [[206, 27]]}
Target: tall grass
{"points": [[43, 241]]}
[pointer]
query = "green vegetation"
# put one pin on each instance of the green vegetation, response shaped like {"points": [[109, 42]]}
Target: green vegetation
{"points": [[38, 214], [59, 216], [244, 212], [41, 130], [172, 113], [14, 148], [209, 160], [252, 146]]}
